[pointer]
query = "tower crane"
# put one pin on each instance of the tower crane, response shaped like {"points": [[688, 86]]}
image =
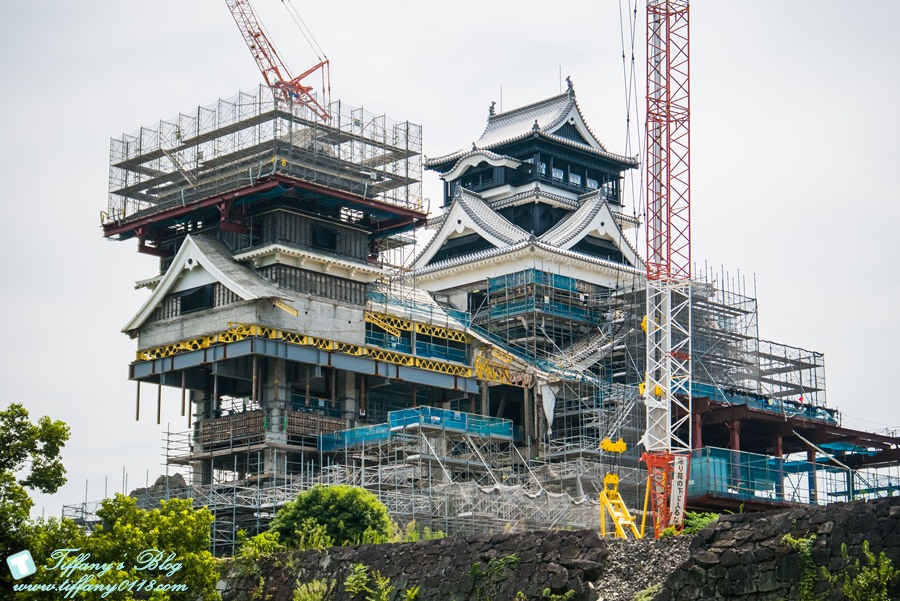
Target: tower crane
{"points": [[666, 389], [273, 69]]}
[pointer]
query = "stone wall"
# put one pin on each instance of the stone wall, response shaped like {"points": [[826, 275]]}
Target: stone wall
{"points": [[744, 557], [738, 557], [612, 570]]}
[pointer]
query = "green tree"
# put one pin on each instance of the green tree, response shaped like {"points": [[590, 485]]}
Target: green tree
{"points": [[349, 514], [156, 549], [29, 459]]}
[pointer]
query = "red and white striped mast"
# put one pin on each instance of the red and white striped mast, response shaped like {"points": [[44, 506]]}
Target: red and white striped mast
{"points": [[667, 385]]}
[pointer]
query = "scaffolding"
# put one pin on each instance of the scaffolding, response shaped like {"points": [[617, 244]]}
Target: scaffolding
{"points": [[729, 356], [238, 141], [443, 465], [449, 470]]}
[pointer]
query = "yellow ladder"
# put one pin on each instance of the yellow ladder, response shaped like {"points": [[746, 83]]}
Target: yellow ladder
{"points": [[611, 503]]}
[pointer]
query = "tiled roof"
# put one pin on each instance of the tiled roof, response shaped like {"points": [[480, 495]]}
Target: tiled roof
{"points": [[539, 118], [518, 198], [410, 302], [572, 224], [497, 252], [542, 115], [489, 220], [528, 196]]}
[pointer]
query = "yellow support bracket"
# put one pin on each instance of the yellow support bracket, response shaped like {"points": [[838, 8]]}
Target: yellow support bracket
{"points": [[389, 357], [611, 503], [444, 368], [501, 355], [390, 324], [439, 332]]}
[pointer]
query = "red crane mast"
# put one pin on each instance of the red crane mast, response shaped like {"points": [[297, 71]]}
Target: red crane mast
{"points": [[667, 387]]}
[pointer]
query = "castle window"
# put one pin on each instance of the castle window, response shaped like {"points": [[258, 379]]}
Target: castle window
{"points": [[574, 178], [324, 237], [592, 184], [558, 173], [197, 299]]}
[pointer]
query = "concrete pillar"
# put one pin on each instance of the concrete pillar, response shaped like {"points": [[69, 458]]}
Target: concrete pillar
{"points": [[273, 469], [811, 479], [276, 396], [485, 399], [348, 396], [527, 415], [201, 469]]}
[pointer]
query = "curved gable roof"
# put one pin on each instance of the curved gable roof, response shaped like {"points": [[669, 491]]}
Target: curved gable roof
{"points": [[476, 157], [469, 211], [213, 257], [594, 215]]}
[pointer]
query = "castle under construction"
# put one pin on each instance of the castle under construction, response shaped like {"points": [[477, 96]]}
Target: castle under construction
{"points": [[468, 380]]}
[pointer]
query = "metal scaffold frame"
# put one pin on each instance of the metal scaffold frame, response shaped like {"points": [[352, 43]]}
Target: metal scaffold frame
{"points": [[238, 141]]}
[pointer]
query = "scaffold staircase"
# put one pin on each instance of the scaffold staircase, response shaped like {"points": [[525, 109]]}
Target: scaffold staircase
{"points": [[624, 407], [611, 503], [584, 354]]}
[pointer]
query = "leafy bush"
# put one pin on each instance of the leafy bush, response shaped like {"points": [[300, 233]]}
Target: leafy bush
{"points": [[357, 584], [695, 521], [864, 583], [250, 550], [317, 590], [136, 543], [349, 515], [313, 535]]}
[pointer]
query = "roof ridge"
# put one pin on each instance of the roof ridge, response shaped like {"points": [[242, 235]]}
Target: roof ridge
{"points": [[527, 107], [489, 220]]}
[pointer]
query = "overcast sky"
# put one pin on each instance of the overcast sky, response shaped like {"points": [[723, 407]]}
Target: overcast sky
{"points": [[794, 152]]}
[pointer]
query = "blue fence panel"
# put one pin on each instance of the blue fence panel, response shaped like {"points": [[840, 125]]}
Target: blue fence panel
{"points": [[459, 421], [440, 351], [354, 436], [386, 341]]}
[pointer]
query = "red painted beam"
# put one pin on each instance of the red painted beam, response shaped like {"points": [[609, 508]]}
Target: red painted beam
{"points": [[114, 229], [126, 226]]}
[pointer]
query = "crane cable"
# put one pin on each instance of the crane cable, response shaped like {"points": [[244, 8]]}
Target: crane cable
{"points": [[304, 30], [631, 94]]}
